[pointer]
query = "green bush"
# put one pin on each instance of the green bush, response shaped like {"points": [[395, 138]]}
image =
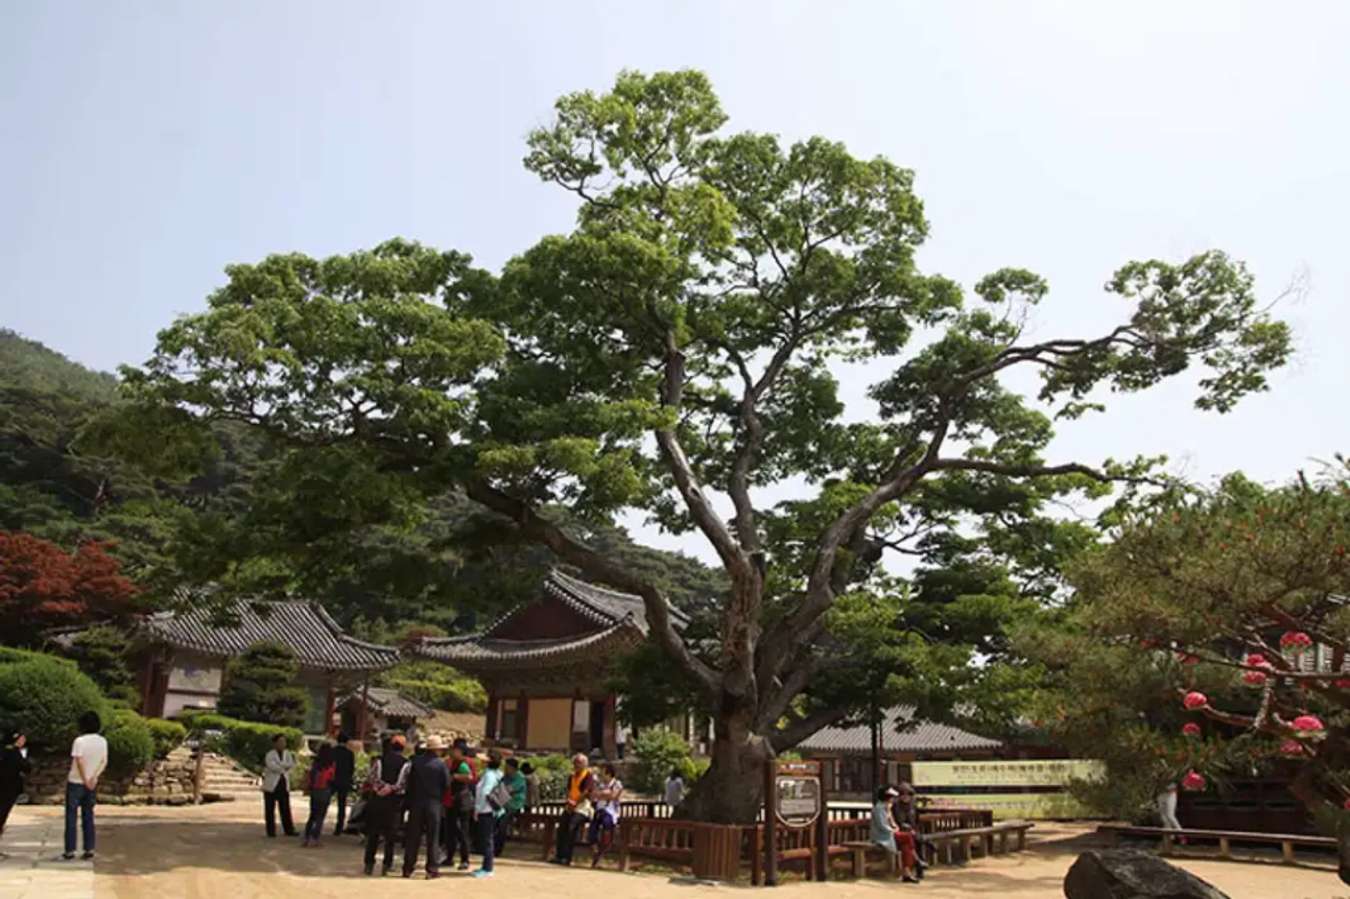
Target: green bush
{"points": [[553, 771], [260, 686], [464, 696], [437, 685], [659, 751], [247, 742], [101, 652], [11, 654], [45, 697], [130, 745], [168, 735]]}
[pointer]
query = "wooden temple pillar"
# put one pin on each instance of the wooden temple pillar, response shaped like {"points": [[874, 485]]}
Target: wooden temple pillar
{"points": [[363, 716], [493, 713], [609, 737], [329, 706], [522, 721]]}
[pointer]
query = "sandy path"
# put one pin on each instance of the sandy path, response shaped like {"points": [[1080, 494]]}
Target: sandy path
{"points": [[220, 852]]}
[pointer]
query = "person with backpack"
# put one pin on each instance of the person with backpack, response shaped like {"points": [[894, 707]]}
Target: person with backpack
{"points": [[425, 783], [384, 787], [490, 801], [458, 802], [322, 774]]}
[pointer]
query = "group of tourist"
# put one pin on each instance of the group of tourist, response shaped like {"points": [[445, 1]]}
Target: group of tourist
{"points": [[445, 798]]}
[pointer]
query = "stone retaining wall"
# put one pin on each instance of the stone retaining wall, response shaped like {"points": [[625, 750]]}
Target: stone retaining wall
{"points": [[166, 781]]}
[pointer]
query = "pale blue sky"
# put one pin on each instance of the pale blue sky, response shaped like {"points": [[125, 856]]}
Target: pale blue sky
{"points": [[145, 145]]}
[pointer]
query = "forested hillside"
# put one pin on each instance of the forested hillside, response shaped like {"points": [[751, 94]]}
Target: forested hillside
{"points": [[434, 569]]}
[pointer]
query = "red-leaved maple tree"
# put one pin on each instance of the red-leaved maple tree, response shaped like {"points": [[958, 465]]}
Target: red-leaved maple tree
{"points": [[43, 586]]}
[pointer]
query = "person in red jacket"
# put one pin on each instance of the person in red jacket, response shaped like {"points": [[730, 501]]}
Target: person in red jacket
{"points": [[320, 782]]}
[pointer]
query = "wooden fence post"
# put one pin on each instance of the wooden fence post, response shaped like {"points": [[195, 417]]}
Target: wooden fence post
{"points": [[770, 825]]}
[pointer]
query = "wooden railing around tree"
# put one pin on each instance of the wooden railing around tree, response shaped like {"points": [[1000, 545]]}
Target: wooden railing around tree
{"points": [[719, 851]]}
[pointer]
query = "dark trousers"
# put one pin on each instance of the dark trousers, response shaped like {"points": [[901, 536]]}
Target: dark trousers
{"points": [[7, 800], [502, 831], [318, 810], [456, 834], [79, 797], [569, 828], [280, 796], [424, 821], [341, 793], [382, 814], [487, 827]]}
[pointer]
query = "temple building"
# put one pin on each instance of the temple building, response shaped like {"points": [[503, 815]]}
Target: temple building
{"points": [[545, 665], [846, 751], [184, 655]]}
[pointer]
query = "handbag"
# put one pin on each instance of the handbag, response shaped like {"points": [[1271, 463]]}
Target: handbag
{"points": [[499, 797]]}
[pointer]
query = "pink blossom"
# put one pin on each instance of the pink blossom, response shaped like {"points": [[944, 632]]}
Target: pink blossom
{"points": [[1191, 729], [1195, 700], [1256, 660], [1193, 781], [1291, 747], [1187, 658], [1343, 683], [1254, 678], [1305, 724], [1347, 804], [1295, 640]]}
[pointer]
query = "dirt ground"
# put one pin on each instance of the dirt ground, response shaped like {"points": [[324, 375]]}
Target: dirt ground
{"points": [[220, 852]]}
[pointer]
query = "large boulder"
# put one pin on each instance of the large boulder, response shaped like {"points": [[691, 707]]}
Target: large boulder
{"points": [[1131, 874]]}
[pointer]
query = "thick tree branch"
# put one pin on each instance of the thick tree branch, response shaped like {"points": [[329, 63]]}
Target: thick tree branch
{"points": [[801, 728], [736, 562]]}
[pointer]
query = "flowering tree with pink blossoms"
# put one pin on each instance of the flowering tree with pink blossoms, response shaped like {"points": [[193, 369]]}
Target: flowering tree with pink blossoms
{"points": [[1211, 632]]}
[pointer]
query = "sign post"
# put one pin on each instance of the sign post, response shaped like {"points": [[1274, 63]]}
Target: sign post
{"points": [[794, 796]]}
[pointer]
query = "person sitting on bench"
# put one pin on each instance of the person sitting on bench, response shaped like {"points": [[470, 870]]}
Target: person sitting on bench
{"points": [[888, 835]]}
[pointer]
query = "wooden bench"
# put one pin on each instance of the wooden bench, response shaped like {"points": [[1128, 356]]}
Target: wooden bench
{"points": [[1225, 838], [957, 845], [860, 850]]}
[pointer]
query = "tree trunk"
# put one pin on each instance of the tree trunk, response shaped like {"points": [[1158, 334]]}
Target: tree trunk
{"points": [[732, 790]]}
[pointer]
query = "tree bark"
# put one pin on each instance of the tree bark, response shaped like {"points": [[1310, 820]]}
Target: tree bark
{"points": [[732, 789]]}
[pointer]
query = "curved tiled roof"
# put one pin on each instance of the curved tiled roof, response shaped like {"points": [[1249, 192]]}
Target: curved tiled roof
{"points": [[391, 702], [620, 621], [921, 736], [304, 626], [480, 651]]}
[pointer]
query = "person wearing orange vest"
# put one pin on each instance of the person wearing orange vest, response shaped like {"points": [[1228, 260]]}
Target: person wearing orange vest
{"points": [[578, 810]]}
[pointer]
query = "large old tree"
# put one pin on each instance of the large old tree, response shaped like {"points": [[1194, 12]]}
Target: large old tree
{"points": [[678, 352]]}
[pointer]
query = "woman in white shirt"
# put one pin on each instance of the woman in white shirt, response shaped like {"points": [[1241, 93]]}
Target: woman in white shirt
{"points": [[606, 796], [276, 785], [88, 758]]}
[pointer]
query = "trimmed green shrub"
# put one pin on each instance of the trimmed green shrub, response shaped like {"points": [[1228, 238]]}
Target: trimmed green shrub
{"points": [[247, 742], [168, 735], [658, 751], [45, 698], [11, 654], [260, 686], [130, 745]]}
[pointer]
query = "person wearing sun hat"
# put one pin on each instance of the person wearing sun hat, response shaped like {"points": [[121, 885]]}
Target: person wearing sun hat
{"points": [[385, 784], [426, 780]]}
